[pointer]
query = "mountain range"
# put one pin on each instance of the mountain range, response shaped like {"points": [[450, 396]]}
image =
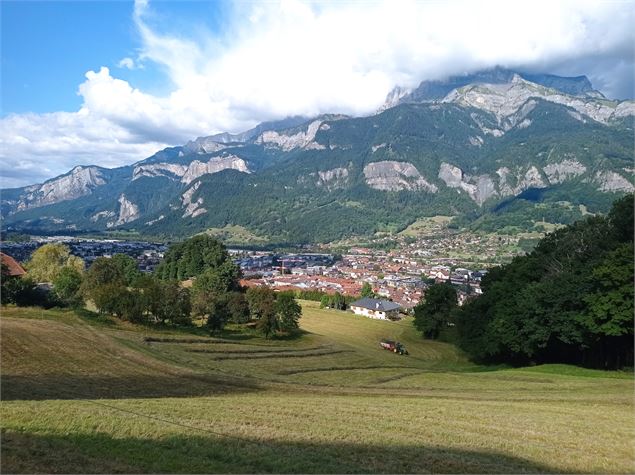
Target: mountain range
{"points": [[496, 148]]}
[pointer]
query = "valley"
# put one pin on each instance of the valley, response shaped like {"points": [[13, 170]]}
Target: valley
{"points": [[313, 237]]}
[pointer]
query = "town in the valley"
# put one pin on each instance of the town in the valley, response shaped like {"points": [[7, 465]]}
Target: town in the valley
{"points": [[399, 272]]}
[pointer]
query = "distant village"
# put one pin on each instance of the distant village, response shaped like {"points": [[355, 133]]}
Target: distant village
{"points": [[393, 276], [400, 275]]}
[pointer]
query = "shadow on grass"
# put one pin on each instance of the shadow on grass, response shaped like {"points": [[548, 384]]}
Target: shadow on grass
{"points": [[94, 317], [101, 453], [63, 386]]}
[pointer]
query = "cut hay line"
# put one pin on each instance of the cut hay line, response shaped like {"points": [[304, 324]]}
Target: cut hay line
{"points": [[255, 356], [340, 368], [396, 377], [152, 339], [224, 341], [255, 351]]}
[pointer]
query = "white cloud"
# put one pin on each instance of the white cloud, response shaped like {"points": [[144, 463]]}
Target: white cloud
{"points": [[290, 57], [127, 63]]}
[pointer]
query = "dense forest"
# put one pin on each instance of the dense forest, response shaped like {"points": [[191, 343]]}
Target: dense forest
{"points": [[568, 301]]}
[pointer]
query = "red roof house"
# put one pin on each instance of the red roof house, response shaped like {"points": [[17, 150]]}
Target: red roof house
{"points": [[14, 267]]}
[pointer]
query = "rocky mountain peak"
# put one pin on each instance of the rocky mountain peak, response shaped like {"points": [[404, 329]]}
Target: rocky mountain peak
{"points": [[436, 90], [80, 181]]}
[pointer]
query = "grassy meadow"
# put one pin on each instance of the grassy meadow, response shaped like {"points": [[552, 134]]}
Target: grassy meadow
{"points": [[86, 394]]}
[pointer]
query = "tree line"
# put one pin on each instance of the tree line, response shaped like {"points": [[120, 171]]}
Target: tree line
{"points": [[116, 287], [568, 301]]}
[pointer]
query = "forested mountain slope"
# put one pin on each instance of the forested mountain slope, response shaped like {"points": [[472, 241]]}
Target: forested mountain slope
{"points": [[493, 148]]}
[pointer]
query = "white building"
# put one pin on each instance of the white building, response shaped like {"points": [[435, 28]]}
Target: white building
{"points": [[374, 308]]}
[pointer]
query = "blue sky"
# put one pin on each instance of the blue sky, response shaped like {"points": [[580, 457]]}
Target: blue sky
{"points": [[48, 46], [110, 83]]}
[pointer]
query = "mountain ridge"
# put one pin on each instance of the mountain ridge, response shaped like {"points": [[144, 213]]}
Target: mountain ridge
{"points": [[480, 143]]}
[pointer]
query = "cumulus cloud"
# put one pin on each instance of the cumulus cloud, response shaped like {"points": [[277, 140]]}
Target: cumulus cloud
{"points": [[35, 147], [295, 58]]}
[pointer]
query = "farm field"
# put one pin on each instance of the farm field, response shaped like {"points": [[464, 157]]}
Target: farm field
{"points": [[81, 394]]}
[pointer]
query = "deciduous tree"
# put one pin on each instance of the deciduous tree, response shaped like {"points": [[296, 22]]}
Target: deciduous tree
{"points": [[432, 314], [288, 311], [48, 260]]}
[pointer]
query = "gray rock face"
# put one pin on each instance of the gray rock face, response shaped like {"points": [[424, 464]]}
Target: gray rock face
{"points": [[611, 181], [189, 173], [154, 221], [214, 165], [169, 170], [81, 181], [431, 91], [192, 208], [480, 188], [203, 145], [566, 169], [334, 178], [102, 215], [394, 97], [394, 176], [506, 100], [530, 178], [301, 139], [128, 211]]}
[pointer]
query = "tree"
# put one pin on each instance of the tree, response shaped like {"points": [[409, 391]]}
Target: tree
{"points": [[21, 291], [103, 271], [166, 300], [268, 324], [288, 311], [338, 301], [193, 257], [107, 298], [104, 283], [129, 305], [261, 301], [48, 260], [570, 300], [367, 290], [67, 285], [128, 267], [218, 280], [214, 308], [5, 276], [182, 307], [238, 307], [609, 310], [434, 312]]}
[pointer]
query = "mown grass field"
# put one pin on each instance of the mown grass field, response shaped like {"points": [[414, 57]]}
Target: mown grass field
{"points": [[80, 394]]}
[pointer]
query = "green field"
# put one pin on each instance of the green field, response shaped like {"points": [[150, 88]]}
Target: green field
{"points": [[82, 394]]}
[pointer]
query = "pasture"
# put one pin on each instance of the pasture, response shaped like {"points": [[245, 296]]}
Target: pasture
{"points": [[83, 394]]}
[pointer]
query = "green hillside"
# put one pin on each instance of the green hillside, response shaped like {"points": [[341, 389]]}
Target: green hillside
{"points": [[81, 394]]}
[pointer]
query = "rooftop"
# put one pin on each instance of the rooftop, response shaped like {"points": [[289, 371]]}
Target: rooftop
{"points": [[375, 304], [15, 269]]}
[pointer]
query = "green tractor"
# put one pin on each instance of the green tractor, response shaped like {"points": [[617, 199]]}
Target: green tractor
{"points": [[393, 346]]}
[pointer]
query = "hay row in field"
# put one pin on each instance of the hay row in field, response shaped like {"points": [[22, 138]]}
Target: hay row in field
{"points": [[340, 368], [255, 356], [153, 339], [395, 377], [258, 350], [202, 340]]}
